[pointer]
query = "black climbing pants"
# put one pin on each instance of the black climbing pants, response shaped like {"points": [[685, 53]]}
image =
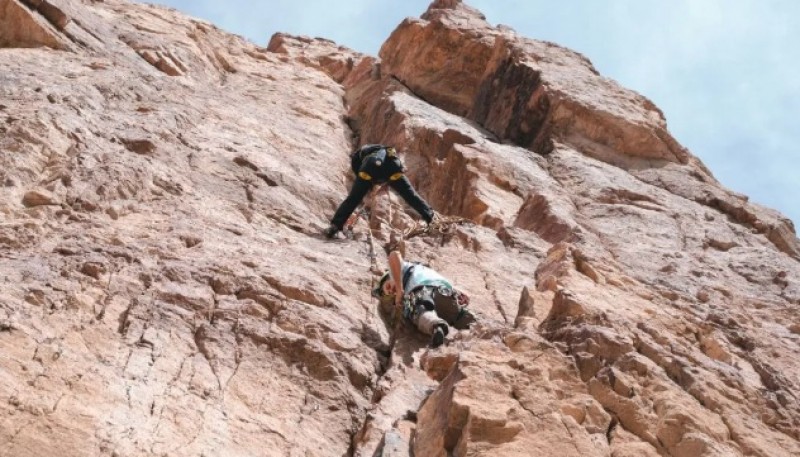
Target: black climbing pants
{"points": [[360, 189]]}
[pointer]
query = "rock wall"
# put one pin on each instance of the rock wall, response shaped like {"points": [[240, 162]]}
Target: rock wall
{"points": [[22, 25], [166, 290]]}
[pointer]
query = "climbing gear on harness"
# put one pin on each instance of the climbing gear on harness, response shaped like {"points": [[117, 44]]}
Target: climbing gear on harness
{"points": [[460, 297], [410, 309], [449, 304], [417, 300]]}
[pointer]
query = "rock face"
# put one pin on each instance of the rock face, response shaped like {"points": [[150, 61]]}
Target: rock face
{"points": [[166, 292], [23, 27]]}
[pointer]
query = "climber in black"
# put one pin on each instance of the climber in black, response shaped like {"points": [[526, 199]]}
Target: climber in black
{"points": [[377, 164]]}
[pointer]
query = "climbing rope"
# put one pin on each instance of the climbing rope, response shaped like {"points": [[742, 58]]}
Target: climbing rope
{"points": [[440, 225]]}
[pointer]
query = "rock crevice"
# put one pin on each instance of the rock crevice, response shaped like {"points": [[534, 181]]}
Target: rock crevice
{"points": [[166, 289]]}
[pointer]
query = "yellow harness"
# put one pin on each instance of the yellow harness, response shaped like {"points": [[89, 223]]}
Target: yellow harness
{"points": [[390, 152]]}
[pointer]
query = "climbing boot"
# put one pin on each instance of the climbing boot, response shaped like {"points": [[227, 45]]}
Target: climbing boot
{"points": [[438, 336], [331, 231], [435, 223]]}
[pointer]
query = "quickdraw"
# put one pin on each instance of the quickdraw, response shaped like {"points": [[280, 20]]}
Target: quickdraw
{"points": [[409, 310]]}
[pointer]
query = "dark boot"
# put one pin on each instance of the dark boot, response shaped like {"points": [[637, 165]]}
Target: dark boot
{"points": [[438, 336], [331, 231]]}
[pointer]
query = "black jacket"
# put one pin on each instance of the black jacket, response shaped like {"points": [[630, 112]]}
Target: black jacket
{"points": [[376, 162]]}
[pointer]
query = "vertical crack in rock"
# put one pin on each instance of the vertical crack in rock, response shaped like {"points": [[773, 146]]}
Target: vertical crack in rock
{"points": [[511, 83], [200, 341], [163, 265], [497, 301], [571, 436], [613, 380]]}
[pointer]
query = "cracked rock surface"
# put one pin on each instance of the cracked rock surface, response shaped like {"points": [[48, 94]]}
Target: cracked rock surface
{"points": [[166, 290]]}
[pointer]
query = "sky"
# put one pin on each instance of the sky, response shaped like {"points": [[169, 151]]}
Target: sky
{"points": [[726, 73]]}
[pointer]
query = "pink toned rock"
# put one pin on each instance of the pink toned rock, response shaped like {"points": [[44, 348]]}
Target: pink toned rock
{"points": [[20, 27], [38, 198], [337, 61], [486, 399], [527, 91], [180, 300], [53, 14]]}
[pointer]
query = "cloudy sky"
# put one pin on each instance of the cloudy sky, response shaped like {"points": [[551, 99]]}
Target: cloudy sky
{"points": [[726, 73]]}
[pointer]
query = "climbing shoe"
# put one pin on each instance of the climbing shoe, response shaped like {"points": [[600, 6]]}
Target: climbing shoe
{"points": [[435, 223], [438, 336], [331, 231]]}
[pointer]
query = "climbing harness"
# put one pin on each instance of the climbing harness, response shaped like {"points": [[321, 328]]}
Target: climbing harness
{"points": [[371, 158]]}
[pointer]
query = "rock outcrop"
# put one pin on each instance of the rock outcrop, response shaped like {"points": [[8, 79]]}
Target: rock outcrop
{"points": [[166, 290], [31, 26]]}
